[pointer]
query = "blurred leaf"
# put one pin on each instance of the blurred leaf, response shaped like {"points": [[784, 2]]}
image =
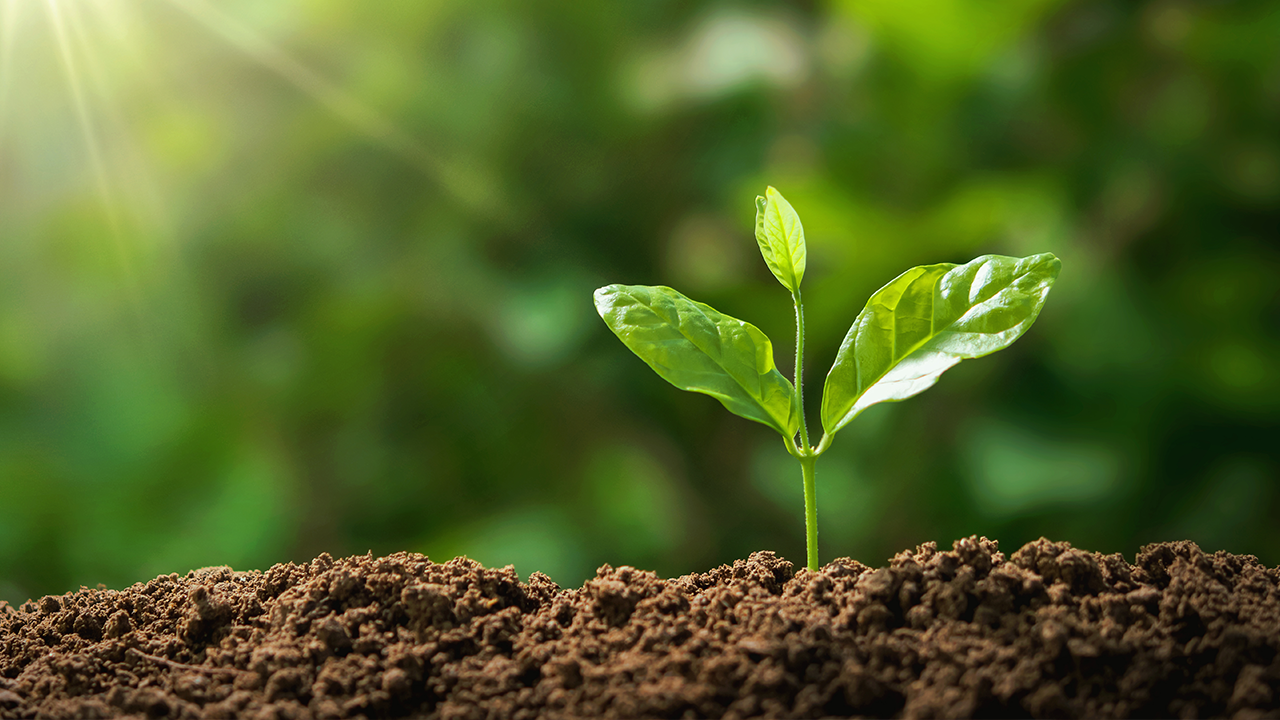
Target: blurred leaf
{"points": [[636, 503], [1011, 469], [947, 38]]}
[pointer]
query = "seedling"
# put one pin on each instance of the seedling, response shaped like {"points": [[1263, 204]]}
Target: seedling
{"points": [[912, 330]]}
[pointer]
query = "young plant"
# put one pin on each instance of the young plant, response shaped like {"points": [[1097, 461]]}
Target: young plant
{"points": [[911, 331]]}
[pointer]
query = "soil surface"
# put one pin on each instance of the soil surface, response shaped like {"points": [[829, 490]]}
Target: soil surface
{"points": [[1051, 631]]}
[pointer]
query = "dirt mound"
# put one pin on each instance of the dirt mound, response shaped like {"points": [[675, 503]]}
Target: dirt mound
{"points": [[1049, 632]]}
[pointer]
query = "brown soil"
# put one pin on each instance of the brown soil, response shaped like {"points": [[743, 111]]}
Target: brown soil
{"points": [[1049, 632]]}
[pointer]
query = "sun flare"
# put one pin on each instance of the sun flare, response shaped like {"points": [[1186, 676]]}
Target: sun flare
{"points": [[83, 83]]}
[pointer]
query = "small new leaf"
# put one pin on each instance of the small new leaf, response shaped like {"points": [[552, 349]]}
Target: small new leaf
{"points": [[697, 348], [928, 319], [781, 238]]}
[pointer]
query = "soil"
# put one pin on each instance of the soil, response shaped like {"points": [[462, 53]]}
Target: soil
{"points": [[1050, 631]]}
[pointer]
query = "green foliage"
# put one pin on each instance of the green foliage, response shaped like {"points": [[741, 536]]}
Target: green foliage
{"points": [[928, 319], [781, 239], [912, 330], [312, 277], [701, 350]]}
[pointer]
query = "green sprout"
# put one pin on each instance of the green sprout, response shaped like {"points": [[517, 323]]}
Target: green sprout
{"points": [[911, 331]]}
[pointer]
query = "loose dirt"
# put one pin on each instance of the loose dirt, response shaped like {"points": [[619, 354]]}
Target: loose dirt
{"points": [[1051, 631]]}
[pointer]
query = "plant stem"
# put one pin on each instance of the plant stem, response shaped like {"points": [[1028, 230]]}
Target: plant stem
{"points": [[806, 455], [805, 448], [810, 510]]}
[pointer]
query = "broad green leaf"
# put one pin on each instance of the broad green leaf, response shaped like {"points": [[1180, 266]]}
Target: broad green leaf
{"points": [[781, 238], [696, 348], [927, 320]]}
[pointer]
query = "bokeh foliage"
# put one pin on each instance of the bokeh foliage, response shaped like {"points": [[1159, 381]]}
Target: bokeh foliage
{"points": [[283, 278]]}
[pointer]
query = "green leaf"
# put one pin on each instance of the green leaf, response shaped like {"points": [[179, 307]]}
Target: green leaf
{"points": [[696, 348], [927, 320], [781, 238]]}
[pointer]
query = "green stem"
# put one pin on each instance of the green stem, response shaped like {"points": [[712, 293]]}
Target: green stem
{"points": [[810, 510], [806, 453], [805, 448]]}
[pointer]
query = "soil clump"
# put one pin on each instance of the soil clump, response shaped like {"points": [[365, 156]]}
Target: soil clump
{"points": [[1050, 631]]}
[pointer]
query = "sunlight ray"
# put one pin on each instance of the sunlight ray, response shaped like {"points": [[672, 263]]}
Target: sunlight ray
{"points": [[75, 85], [464, 183], [105, 29], [108, 118], [145, 200], [8, 38]]}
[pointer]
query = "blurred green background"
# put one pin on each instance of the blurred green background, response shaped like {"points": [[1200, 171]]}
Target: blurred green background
{"points": [[283, 278]]}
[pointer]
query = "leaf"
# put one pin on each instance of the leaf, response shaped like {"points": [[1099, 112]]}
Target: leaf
{"points": [[781, 238], [928, 319], [696, 348]]}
